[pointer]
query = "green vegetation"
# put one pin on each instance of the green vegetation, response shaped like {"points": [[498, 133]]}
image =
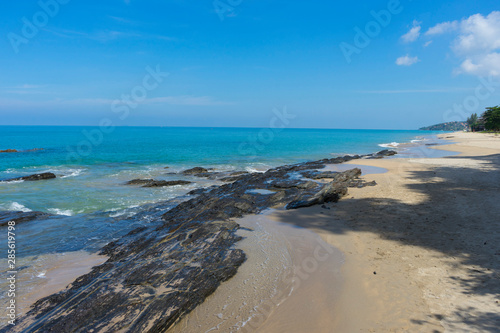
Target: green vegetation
{"points": [[489, 121], [473, 122], [450, 126], [491, 118]]}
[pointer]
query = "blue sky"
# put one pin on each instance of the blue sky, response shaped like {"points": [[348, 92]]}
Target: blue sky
{"points": [[232, 62]]}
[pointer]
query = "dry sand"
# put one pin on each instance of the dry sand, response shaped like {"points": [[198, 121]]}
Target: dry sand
{"points": [[422, 248]]}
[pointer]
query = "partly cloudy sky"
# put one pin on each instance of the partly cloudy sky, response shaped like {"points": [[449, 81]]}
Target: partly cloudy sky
{"points": [[364, 64], [475, 41]]}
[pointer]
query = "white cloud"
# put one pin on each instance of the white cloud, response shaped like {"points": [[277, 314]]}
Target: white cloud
{"points": [[478, 44], [428, 43], [442, 28], [406, 60], [479, 33], [413, 34], [488, 64]]}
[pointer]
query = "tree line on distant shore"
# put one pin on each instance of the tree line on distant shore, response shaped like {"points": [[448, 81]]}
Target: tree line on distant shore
{"points": [[489, 120]]}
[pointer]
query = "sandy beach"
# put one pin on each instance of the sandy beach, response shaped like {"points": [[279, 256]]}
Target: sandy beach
{"points": [[418, 252], [421, 248]]}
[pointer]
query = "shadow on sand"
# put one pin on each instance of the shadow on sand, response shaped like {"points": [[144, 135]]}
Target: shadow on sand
{"points": [[460, 218]]}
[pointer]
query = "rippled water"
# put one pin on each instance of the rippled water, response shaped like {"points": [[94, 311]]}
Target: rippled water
{"points": [[92, 168], [92, 204]]}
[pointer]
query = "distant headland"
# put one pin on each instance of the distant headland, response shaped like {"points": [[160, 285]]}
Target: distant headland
{"points": [[450, 126]]}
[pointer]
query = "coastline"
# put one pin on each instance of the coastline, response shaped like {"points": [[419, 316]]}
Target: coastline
{"points": [[421, 247], [189, 254], [367, 295]]}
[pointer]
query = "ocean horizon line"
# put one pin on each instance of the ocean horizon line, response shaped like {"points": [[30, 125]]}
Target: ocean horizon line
{"points": [[225, 127]]}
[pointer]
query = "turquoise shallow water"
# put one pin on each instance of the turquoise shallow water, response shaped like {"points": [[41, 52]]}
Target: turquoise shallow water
{"points": [[93, 205], [92, 164]]}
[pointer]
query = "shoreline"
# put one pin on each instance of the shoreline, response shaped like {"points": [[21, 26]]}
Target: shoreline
{"points": [[359, 257], [283, 262], [152, 279], [413, 261], [319, 287]]}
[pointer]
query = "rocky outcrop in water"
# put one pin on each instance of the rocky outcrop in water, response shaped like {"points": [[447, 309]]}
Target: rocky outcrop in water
{"points": [[19, 151], [157, 183], [165, 183], [155, 276], [37, 176], [19, 217], [195, 171], [383, 153]]}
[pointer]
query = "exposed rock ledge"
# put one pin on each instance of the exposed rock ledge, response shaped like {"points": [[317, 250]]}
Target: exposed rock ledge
{"points": [[155, 277], [157, 183], [37, 176]]}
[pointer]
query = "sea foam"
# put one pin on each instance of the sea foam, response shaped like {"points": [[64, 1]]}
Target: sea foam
{"points": [[15, 206]]}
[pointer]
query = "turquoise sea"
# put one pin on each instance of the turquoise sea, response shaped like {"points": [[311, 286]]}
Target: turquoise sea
{"points": [[89, 196], [91, 203], [92, 164]]}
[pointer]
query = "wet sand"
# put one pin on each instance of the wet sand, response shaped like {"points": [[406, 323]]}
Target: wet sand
{"points": [[45, 275], [421, 248], [285, 266]]}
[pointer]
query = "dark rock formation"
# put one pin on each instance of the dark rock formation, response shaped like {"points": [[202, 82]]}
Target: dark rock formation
{"points": [[38, 176], [163, 183], [209, 175], [19, 217], [305, 185], [319, 175], [139, 181], [239, 173], [331, 192], [233, 177], [383, 153], [222, 176], [154, 276], [194, 171], [157, 183], [202, 190], [19, 151]]}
